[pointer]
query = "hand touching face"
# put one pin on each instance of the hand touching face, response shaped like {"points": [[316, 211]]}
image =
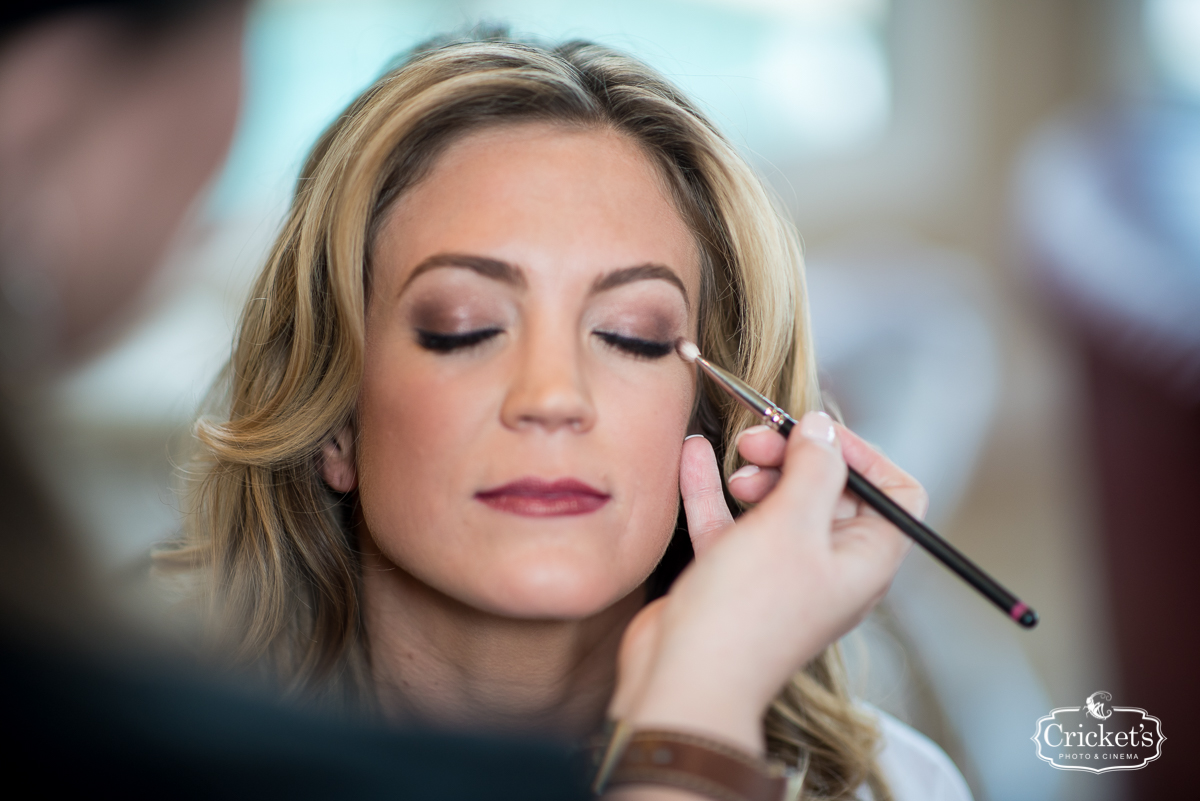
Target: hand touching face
{"points": [[768, 592], [522, 412]]}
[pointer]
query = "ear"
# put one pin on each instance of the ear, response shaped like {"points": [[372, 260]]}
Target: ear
{"points": [[337, 460]]}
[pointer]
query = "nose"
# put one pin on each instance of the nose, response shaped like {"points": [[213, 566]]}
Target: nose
{"points": [[548, 390]]}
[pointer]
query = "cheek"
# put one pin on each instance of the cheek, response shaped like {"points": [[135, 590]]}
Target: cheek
{"points": [[415, 425], [646, 426], [649, 439]]}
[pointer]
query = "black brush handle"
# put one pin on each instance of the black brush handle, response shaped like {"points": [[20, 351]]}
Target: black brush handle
{"points": [[928, 539]]}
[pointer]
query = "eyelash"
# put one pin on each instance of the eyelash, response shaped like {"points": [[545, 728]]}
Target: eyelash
{"points": [[445, 343], [643, 348]]}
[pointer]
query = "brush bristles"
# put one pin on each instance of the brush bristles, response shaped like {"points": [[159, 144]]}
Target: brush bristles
{"points": [[687, 350]]}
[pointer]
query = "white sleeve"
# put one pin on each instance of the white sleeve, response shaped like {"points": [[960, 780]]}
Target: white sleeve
{"points": [[915, 768]]}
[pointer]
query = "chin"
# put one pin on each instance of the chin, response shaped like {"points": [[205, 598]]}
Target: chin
{"points": [[563, 589]]}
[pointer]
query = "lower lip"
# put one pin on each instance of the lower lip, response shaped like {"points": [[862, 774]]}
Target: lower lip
{"points": [[545, 504]]}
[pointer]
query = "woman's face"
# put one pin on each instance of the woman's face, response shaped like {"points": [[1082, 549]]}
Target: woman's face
{"points": [[522, 410]]}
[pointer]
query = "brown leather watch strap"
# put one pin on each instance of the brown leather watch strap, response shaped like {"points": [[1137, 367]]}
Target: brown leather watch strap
{"points": [[696, 764]]}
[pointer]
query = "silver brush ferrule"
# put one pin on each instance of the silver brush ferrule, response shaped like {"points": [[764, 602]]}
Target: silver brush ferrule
{"points": [[749, 397]]}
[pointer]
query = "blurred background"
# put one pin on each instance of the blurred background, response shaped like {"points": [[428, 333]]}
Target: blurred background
{"points": [[1001, 205]]}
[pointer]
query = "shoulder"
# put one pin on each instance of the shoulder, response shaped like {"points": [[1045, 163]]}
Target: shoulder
{"points": [[915, 767]]}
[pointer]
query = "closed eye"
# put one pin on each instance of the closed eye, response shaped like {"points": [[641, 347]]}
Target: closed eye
{"points": [[445, 343], [643, 348]]}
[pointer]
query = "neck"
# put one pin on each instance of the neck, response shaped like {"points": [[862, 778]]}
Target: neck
{"points": [[437, 661]]}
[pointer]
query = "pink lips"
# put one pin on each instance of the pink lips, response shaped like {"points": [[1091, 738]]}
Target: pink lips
{"points": [[535, 497]]}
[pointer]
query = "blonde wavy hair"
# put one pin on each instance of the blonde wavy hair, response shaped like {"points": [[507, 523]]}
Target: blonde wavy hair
{"points": [[272, 546]]}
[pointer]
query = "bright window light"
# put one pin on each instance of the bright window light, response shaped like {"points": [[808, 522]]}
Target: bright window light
{"points": [[1173, 33], [785, 79]]}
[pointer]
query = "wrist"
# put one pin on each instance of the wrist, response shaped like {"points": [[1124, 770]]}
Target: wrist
{"points": [[720, 716], [654, 760]]}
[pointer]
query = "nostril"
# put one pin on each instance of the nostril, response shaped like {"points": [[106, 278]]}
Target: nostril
{"points": [[551, 421]]}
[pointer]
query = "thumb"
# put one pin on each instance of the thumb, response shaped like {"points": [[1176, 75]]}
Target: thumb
{"points": [[703, 498]]}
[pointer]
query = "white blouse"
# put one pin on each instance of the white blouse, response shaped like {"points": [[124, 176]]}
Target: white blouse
{"points": [[915, 767]]}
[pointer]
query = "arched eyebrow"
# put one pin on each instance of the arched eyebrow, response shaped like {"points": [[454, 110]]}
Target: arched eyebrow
{"points": [[642, 272], [504, 272], [495, 269]]}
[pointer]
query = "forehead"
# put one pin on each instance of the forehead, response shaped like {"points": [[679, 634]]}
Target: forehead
{"points": [[561, 202]]}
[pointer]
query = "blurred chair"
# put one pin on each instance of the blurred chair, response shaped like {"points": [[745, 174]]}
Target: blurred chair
{"points": [[1108, 208], [907, 352]]}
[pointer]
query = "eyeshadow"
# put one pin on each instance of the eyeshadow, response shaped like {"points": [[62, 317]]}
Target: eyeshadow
{"points": [[434, 314], [652, 325]]}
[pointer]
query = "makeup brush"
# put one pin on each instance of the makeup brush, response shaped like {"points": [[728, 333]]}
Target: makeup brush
{"points": [[924, 536]]}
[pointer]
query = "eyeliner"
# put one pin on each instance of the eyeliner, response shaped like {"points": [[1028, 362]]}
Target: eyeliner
{"points": [[924, 536]]}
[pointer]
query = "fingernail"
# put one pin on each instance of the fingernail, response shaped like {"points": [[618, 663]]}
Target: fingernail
{"points": [[744, 472], [750, 430], [818, 427], [692, 436]]}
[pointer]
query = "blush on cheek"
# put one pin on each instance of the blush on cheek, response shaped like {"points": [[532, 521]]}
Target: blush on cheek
{"points": [[400, 432], [651, 443]]}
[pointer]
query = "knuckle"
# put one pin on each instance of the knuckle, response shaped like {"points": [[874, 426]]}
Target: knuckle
{"points": [[699, 491]]}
